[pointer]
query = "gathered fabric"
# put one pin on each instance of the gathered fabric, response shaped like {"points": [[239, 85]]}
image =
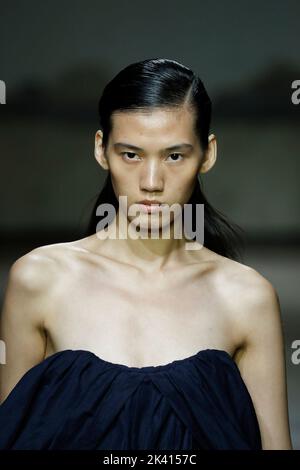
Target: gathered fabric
{"points": [[73, 399]]}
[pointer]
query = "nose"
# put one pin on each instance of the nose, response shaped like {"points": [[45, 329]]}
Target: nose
{"points": [[151, 178]]}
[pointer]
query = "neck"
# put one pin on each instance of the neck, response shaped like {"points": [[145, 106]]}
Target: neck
{"points": [[146, 252]]}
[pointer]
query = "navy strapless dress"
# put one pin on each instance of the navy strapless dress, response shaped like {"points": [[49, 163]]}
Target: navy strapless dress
{"points": [[73, 399]]}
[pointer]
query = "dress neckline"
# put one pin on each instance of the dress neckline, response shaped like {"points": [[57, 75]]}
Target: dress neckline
{"points": [[151, 368]]}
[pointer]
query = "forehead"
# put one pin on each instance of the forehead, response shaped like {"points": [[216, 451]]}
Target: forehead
{"points": [[164, 125]]}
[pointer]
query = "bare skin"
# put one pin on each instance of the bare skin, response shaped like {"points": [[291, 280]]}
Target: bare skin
{"points": [[120, 298]]}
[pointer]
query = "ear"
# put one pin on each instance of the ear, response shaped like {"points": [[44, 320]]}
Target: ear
{"points": [[210, 155], [99, 151]]}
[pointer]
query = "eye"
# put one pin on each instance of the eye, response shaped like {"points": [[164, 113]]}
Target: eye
{"points": [[128, 153], [176, 154]]}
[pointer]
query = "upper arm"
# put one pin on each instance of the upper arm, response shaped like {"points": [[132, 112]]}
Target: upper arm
{"points": [[262, 362], [21, 321]]}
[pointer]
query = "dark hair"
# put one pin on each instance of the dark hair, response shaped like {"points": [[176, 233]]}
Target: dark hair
{"points": [[159, 83]]}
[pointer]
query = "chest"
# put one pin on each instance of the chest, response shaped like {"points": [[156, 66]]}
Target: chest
{"points": [[137, 321]]}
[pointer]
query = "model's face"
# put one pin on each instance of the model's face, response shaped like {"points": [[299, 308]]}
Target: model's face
{"points": [[153, 155]]}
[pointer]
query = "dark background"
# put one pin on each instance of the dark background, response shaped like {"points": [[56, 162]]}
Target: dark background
{"points": [[55, 58]]}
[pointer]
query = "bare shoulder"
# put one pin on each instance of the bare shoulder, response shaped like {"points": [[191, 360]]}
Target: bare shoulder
{"points": [[27, 269], [32, 276], [260, 319], [249, 285], [250, 297], [260, 355], [36, 267], [241, 283], [26, 302], [38, 271]]}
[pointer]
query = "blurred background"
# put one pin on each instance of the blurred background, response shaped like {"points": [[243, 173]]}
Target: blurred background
{"points": [[55, 59]]}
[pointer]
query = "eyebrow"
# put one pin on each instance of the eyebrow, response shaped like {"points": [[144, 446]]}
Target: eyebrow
{"points": [[134, 147]]}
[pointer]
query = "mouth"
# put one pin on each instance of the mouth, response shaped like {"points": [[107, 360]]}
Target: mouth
{"points": [[149, 202], [150, 208]]}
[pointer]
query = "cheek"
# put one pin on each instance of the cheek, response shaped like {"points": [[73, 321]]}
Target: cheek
{"points": [[184, 187], [122, 183]]}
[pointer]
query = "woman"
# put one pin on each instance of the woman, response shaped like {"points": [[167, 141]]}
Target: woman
{"points": [[125, 342]]}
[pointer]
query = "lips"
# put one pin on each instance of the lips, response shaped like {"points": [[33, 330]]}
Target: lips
{"points": [[150, 208], [148, 202]]}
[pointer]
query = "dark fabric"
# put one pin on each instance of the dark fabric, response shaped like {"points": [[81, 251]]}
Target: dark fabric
{"points": [[76, 400]]}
